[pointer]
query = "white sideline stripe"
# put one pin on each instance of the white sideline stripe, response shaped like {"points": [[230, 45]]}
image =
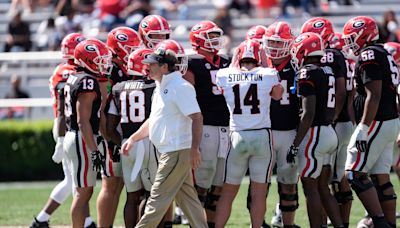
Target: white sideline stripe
{"points": [[26, 102]]}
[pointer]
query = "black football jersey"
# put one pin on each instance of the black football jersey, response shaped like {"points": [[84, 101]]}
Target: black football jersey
{"points": [[133, 102], [284, 113], [77, 83], [319, 81], [211, 101], [375, 63], [344, 114], [118, 75]]}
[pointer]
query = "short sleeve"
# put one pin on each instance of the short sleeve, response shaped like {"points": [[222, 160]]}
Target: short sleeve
{"points": [[188, 105], [220, 79], [370, 68], [340, 68], [306, 83], [88, 84]]}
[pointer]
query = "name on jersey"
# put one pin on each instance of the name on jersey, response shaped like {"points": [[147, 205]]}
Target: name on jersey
{"points": [[245, 77], [134, 86]]}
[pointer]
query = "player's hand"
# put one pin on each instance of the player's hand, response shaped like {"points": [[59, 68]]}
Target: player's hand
{"points": [[58, 154], [291, 154], [126, 147], [398, 141], [116, 157], [195, 158], [361, 134], [98, 160]]}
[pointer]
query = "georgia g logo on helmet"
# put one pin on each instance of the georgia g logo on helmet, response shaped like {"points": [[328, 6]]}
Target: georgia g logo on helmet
{"points": [[196, 27], [122, 37], [318, 24], [90, 48], [300, 38], [144, 24], [358, 24], [80, 39]]}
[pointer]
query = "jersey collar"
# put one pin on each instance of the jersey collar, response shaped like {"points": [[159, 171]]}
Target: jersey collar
{"points": [[168, 77]]}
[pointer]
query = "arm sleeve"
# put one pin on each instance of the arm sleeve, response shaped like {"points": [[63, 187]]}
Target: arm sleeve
{"points": [[188, 105]]}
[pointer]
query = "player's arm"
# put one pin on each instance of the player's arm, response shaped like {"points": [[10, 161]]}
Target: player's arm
{"points": [[306, 119], [277, 91], [112, 123], [340, 95], [350, 107], [189, 76], [60, 113], [103, 119], [373, 90], [84, 111], [140, 134]]}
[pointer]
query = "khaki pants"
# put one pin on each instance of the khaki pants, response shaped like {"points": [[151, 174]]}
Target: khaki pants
{"points": [[173, 180]]}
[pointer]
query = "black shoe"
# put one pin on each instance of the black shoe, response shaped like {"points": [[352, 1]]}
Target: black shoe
{"points": [[92, 225], [177, 219], [37, 224]]}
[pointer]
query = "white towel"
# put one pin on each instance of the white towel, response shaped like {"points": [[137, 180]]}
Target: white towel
{"points": [[223, 148], [138, 161]]}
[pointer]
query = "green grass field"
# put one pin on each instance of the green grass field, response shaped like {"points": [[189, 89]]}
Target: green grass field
{"points": [[19, 202]]}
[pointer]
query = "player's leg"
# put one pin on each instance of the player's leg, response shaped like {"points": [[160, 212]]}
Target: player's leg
{"points": [[287, 178], [111, 187], [80, 206], [204, 175], [314, 207], [236, 167]]}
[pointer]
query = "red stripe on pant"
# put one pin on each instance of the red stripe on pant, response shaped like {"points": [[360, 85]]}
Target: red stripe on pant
{"points": [[85, 172], [358, 152], [308, 157]]}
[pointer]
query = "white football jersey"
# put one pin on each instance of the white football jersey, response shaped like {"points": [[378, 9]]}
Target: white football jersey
{"points": [[247, 94]]}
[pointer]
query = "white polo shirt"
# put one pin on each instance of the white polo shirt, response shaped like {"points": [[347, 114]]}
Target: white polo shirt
{"points": [[174, 99]]}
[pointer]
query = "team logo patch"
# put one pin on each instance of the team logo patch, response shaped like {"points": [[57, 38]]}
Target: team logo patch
{"points": [[165, 91], [122, 37], [197, 27], [90, 47], [318, 24], [144, 24], [358, 24], [208, 66], [252, 33]]}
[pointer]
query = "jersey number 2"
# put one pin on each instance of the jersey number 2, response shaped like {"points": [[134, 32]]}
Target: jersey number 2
{"points": [[132, 106], [251, 99]]}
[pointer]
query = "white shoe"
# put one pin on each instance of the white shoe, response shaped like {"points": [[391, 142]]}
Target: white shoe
{"points": [[185, 221], [276, 220], [365, 223]]}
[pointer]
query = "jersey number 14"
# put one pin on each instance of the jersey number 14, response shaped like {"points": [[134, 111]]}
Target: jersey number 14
{"points": [[251, 99]]}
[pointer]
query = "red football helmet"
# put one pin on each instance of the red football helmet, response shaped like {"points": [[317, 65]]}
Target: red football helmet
{"points": [[306, 45], [321, 26], [135, 65], [179, 52], [394, 49], [200, 37], [122, 41], [278, 40], [337, 41], [249, 49], [69, 43], [93, 55], [153, 25], [256, 33], [358, 32]]}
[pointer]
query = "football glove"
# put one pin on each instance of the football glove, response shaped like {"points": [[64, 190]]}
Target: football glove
{"points": [[58, 154], [115, 151], [291, 154], [98, 160], [361, 134]]}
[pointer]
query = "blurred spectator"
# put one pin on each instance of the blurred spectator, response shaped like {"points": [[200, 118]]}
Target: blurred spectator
{"points": [[264, 7], [64, 7], [242, 6], [68, 24], [285, 3], [18, 33], [47, 36], [16, 92], [166, 7], [389, 28], [16, 5], [224, 20], [110, 13], [135, 12]]}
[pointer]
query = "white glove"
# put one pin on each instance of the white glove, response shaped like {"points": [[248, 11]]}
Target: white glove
{"points": [[58, 154], [361, 134]]}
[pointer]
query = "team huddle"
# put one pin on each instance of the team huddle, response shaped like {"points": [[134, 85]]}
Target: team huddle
{"points": [[322, 106]]}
